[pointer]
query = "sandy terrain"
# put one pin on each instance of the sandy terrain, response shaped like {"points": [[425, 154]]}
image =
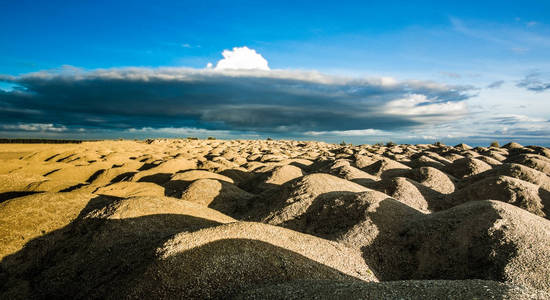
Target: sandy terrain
{"points": [[277, 219]]}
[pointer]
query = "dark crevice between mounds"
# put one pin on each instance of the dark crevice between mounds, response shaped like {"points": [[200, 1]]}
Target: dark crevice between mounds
{"points": [[95, 176], [51, 157], [319, 166], [10, 195], [256, 184], [238, 176], [123, 177], [65, 158], [144, 158], [231, 208], [175, 188], [299, 165], [51, 172], [72, 188], [147, 166], [159, 178], [74, 159]]}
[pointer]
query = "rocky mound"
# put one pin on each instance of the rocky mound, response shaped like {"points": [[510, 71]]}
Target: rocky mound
{"points": [[294, 197], [355, 219], [222, 260], [412, 193], [466, 167], [219, 195], [434, 179], [283, 174], [507, 189]]}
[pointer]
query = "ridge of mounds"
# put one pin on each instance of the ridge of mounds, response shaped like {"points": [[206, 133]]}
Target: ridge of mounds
{"points": [[224, 259], [364, 219], [507, 189], [534, 161], [480, 239], [165, 248]]}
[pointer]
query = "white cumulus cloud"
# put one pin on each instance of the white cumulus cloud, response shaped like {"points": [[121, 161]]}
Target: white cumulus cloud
{"points": [[242, 58]]}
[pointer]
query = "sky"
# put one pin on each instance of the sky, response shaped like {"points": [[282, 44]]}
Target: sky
{"points": [[354, 71]]}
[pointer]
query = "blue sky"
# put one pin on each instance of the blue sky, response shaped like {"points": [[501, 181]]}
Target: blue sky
{"points": [[363, 71]]}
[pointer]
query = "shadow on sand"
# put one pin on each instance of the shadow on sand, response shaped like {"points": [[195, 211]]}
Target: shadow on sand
{"points": [[98, 258]]}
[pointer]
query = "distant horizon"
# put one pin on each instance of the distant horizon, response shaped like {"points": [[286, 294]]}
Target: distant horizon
{"points": [[410, 73], [211, 138]]}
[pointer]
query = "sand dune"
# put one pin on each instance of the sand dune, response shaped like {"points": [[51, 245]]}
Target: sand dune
{"points": [[278, 219]]}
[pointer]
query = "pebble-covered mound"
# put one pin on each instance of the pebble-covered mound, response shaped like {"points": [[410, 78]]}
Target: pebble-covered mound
{"points": [[187, 218]]}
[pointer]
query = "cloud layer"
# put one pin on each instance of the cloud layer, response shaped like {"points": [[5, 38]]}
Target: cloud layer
{"points": [[230, 100], [240, 94]]}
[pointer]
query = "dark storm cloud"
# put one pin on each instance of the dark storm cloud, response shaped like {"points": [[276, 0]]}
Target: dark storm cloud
{"points": [[264, 101], [535, 82]]}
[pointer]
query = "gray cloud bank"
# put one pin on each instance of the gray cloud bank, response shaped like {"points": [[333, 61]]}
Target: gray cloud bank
{"points": [[258, 101]]}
